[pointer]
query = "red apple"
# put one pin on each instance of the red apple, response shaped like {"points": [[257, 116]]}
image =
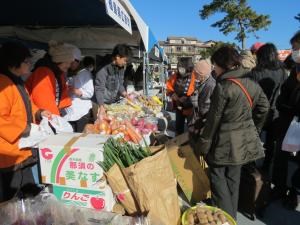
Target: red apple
{"points": [[97, 203]]}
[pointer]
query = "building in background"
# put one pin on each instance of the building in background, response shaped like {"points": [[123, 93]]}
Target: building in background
{"points": [[183, 47]]}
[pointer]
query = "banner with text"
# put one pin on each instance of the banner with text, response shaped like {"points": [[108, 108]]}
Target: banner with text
{"points": [[116, 11]]}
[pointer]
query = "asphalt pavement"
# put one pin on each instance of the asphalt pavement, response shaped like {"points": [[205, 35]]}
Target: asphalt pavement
{"points": [[275, 214]]}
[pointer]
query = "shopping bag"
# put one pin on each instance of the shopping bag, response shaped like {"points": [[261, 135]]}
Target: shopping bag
{"points": [[291, 141], [120, 188], [38, 133], [60, 124], [153, 184]]}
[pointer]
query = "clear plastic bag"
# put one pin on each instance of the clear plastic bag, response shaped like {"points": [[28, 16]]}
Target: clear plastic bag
{"points": [[291, 141]]}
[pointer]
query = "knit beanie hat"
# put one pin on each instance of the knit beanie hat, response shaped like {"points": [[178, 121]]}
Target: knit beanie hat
{"points": [[60, 52], [203, 67], [248, 59]]}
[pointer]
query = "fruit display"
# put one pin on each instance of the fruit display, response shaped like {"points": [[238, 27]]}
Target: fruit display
{"points": [[148, 104], [124, 110], [206, 215], [132, 130]]}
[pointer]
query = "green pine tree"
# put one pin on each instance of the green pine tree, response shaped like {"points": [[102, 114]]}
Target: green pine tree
{"points": [[207, 53], [239, 18], [298, 17]]}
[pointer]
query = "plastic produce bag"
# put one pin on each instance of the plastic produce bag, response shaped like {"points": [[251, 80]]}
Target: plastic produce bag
{"points": [[291, 141], [17, 212], [60, 124], [38, 133]]}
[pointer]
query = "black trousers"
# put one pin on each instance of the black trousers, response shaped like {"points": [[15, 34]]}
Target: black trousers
{"points": [[280, 168], [225, 182], [11, 182], [180, 122], [78, 125]]}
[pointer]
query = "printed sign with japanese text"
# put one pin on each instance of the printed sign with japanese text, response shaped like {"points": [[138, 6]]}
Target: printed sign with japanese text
{"points": [[75, 165], [116, 11]]}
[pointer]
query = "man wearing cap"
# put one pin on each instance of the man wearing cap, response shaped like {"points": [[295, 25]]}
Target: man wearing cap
{"points": [[205, 85], [180, 86], [47, 84]]}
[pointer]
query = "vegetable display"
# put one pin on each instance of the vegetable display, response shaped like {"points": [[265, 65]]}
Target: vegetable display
{"points": [[122, 153]]}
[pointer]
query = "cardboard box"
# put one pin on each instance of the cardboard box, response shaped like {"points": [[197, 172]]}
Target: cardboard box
{"points": [[189, 173], [101, 199], [71, 159]]}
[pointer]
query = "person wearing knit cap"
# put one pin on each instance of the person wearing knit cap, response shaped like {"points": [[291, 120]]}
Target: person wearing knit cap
{"points": [[201, 98], [60, 52], [47, 84], [248, 59]]}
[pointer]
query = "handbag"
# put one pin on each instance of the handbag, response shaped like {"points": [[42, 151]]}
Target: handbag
{"points": [[291, 141]]}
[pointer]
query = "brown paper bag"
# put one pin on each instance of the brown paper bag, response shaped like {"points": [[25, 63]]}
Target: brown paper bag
{"points": [[152, 183], [179, 140], [120, 188], [189, 173]]}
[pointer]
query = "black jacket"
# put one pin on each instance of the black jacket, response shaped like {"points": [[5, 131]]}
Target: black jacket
{"points": [[288, 103], [231, 132], [270, 81]]}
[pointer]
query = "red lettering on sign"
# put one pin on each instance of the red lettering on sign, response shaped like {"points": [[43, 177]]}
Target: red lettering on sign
{"points": [[46, 153]]}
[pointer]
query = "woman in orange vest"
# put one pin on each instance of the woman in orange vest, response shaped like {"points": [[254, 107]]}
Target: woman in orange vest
{"points": [[17, 113], [180, 87], [47, 84]]}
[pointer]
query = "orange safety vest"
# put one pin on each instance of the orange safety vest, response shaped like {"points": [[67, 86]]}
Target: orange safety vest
{"points": [[41, 87], [172, 81]]}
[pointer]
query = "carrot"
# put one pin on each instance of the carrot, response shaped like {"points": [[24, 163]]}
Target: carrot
{"points": [[135, 136]]}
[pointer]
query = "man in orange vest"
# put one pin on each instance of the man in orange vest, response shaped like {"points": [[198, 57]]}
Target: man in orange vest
{"points": [[180, 86]]}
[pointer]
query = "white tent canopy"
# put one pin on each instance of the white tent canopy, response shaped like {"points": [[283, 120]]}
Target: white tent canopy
{"points": [[87, 38]]}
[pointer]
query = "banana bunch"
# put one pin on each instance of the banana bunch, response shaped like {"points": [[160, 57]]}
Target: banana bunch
{"points": [[157, 100]]}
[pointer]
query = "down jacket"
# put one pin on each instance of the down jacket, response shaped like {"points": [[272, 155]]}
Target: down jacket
{"points": [[231, 132]]}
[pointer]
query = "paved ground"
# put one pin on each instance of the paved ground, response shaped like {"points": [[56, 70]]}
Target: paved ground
{"points": [[275, 214]]}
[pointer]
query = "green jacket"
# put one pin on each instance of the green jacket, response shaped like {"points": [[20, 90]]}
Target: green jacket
{"points": [[231, 132]]}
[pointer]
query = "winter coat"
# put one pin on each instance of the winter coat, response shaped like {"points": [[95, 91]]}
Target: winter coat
{"points": [[288, 103], [42, 87], [13, 123], [201, 103], [109, 84], [231, 132], [270, 81]]}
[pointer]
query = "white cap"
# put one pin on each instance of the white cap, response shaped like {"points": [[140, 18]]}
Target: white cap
{"points": [[76, 51]]}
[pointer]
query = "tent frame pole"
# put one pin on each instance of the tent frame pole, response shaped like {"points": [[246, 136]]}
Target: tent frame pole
{"points": [[145, 78]]}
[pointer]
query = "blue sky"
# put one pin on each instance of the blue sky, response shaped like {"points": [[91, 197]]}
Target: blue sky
{"points": [[181, 18]]}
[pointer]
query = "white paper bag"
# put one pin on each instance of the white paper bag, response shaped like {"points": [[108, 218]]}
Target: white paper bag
{"points": [[291, 141]]}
